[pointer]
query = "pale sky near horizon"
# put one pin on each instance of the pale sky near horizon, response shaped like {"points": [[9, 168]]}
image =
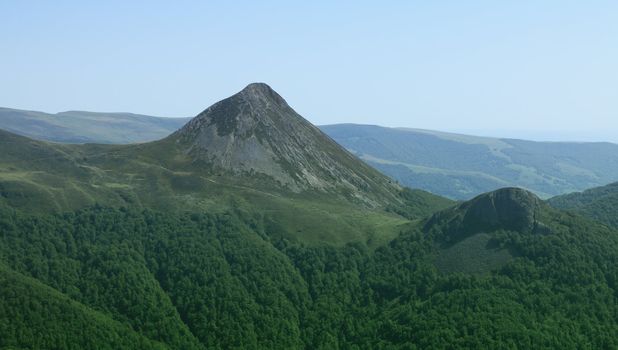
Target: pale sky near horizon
{"points": [[528, 69]]}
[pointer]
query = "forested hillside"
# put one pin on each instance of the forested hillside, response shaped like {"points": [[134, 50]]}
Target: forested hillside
{"points": [[600, 203], [232, 280]]}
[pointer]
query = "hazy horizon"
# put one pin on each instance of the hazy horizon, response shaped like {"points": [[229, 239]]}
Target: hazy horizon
{"points": [[530, 135], [530, 70]]}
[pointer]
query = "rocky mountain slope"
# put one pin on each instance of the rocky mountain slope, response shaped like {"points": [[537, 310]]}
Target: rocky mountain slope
{"points": [[507, 208], [257, 132]]}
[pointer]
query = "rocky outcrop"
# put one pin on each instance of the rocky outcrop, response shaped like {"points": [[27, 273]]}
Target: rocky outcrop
{"points": [[512, 209], [508, 208], [256, 132]]}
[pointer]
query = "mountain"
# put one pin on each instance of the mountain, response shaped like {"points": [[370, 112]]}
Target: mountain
{"points": [[452, 165], [250, 229], [600, 203], [462, 166], [88, 127], [256, 131], [250, 151]]}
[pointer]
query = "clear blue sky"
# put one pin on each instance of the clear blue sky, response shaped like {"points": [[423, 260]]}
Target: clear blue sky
{"points": [[513, 68]]}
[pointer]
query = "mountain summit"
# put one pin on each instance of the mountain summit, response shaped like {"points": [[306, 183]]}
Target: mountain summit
{"points": [[255, 132]]}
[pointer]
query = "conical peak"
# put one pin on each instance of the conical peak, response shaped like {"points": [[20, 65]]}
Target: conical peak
{"points": [[261, 92], [256, 132], [257, 88], [255, 106]]}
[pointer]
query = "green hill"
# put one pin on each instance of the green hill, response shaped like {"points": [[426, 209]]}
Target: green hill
{"points": [[88, 127], [462, 166], [600, 203]]}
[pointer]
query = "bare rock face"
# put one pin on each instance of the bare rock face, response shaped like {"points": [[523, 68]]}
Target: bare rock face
{"points": [[256, 132], [509, 208], [512, 209]]}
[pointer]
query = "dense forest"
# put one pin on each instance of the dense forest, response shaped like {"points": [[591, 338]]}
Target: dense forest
{"points": [[138, 278], [599, 203]]}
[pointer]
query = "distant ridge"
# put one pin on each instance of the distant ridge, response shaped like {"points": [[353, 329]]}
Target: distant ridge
{"points": [[463, 166], [88, 127]]}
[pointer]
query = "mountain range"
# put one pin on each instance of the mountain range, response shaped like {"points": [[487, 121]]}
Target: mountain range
{"points": [[452, 165], [88, 127], [250, 228], [463, 166]]}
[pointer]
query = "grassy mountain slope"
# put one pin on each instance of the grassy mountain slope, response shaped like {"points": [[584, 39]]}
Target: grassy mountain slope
{"points": [[600, 203], [88, 127], [332, 197], [461, 166]]}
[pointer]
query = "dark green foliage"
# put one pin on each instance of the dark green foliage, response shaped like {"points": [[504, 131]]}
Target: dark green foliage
{"points": [[231, 280], [558, 292], [600, 203], [35, 316], [473, 255]]}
